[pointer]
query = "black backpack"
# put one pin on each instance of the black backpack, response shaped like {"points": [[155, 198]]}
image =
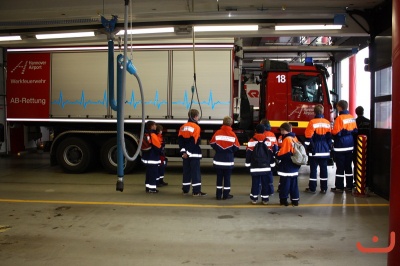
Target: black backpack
{"points": [[260, 157]]}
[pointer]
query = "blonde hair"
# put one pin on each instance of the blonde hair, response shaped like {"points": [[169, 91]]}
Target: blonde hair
{"points": [[227, 121], [318, 109]]}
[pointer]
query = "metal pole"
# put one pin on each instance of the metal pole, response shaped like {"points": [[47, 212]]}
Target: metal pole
{"points": [[394, 209], [352, 84]]}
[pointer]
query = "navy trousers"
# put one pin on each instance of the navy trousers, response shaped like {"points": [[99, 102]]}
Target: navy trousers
{"points": [[344, 169], [323, 173], [289, 186], [151, 176], [161, 172], [271, 183], [191, 175], [255, 187], [223, 182]]}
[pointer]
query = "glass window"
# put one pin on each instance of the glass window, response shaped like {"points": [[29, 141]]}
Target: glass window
{"points": [[306, 89], [383, 115], [383, 82]]}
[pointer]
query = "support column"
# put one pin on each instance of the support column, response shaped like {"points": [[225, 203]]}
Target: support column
{"points": [[4, 144], [394, 209], [352, 85]]}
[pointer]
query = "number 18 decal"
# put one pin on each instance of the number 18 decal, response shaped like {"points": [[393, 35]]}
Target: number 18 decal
{"points": [[281, 78]]}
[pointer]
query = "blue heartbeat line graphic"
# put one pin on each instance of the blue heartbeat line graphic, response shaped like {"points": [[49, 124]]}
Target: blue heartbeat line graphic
{"points": [[134, 103], [156, 102], [210, 102], [82, 101]]}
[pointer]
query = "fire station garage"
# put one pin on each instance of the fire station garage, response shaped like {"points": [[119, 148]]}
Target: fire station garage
{"points": [[130, 131]]}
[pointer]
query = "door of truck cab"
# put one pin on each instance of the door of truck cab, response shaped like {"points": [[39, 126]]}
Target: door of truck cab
{"points": [[276, 107]]}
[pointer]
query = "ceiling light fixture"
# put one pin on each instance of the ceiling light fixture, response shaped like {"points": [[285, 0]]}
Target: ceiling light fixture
{"points": [[136, 47], [308, 27], [65, 35], [226, 28], [147, 31], [10, 38]]}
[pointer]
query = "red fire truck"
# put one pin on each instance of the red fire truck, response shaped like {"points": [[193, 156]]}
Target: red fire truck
{"points": [[65, 90]]}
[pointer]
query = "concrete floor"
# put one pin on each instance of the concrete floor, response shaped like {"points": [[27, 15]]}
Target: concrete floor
{"points": [[48, 217]]}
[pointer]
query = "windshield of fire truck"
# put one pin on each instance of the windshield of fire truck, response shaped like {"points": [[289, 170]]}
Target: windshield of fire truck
{"points": [[307, 89]]}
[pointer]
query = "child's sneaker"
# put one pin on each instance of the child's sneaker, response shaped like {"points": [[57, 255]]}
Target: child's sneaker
{"points": [[162, 183], [338, 190], [200, 194], [308, 190], [284, 202]]}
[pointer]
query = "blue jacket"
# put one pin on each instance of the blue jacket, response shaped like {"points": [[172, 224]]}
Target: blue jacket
{"points": [[152, 156], [286, 167], [257, 170], [318, 137], [189, 140], [343, 130], [225, 143]]}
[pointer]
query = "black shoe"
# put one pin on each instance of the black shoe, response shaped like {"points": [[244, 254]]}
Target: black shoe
{"points": [[218, 198], [153, 191], [147, 190], [228, 197], [200, 194], [308, 190], [284, 202], [334, 189], [162, 183], [349, 189], [295, 203], [323, 191]]}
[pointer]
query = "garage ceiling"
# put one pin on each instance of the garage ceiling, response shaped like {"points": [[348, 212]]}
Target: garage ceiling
{"points": [[27, 18]]}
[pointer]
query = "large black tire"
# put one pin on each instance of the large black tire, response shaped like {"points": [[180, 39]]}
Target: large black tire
{"points": [[108, 156], [75, 155]]}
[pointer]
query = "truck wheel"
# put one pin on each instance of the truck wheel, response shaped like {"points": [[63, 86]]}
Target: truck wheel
{"points": [[74, 155], [108, 156]]}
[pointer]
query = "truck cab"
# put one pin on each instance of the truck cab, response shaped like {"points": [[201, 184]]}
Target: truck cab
{"points": [[289, 93]]}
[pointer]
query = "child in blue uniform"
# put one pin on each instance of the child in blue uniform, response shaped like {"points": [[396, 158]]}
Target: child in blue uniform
{"points": [[260, 162], [151, 149], [287, 170]]}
